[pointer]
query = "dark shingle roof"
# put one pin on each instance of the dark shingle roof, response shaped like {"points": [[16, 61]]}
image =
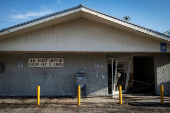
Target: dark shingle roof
{"points": [[82, 6], [167, 32]]}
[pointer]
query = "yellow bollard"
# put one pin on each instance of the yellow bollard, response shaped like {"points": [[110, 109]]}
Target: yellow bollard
{"points": [[120, 94], [38, 95], [162, 94], [79, 94]]}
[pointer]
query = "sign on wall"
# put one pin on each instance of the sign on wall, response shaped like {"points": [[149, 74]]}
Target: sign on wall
{"points": [[45, 62], [96, 64], [20, 64], [163, 47]]}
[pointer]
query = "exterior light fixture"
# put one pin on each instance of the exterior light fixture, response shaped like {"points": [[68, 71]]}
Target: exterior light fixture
{"points": [[82, 19]]}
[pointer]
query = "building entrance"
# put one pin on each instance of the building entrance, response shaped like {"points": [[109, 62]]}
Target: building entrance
{"points": [[118, 75]]}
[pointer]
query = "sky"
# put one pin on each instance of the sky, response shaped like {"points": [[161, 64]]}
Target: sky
{"points": [[153, 14]]}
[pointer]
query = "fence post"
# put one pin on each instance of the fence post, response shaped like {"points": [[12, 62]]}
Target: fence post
{"points": [[120, 94], [79, 94], [38, 95], [162, 94]]}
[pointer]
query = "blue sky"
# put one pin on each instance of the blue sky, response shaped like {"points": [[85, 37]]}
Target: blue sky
{"points": [[153, 14]]}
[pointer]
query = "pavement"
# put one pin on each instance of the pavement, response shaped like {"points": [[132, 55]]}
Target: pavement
{"points": [[135, 103]]}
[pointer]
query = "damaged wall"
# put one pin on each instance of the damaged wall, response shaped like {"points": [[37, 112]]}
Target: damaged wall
{"points": [[53, 81], [162, 72]]}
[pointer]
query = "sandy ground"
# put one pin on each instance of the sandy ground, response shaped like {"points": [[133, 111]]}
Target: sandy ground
{"points": [[131, 104]]}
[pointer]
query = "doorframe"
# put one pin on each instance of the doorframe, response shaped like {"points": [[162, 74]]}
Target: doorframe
{"points": [[127, 76], [112, 70]]}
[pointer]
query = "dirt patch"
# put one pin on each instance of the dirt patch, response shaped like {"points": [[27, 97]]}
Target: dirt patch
{"points": [[90, 104], [87, 107]]}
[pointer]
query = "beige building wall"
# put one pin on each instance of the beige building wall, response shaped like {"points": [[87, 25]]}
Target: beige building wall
{"points": [[80, 36]]}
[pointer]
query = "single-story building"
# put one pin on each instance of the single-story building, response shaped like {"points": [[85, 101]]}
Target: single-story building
{"points": [[49, 51]]}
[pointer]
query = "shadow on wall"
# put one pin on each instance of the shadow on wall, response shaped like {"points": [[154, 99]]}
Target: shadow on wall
{"points": [[166, 88], [163, 74]]}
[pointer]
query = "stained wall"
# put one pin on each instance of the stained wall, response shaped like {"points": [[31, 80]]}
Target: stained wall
{"points": [[54, 81]]}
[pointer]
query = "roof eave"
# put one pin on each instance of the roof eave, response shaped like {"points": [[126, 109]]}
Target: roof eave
{"points": [[82, 9], [129, 25], [25, 26]]}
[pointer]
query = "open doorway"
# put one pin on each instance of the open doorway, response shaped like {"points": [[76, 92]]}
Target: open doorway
{"points": [[121, 69], [121, 77], [110, 76], [143, 77]]}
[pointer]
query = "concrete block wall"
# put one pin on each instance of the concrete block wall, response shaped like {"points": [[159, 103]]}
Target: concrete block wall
{"points": [[54, 81], [162, 72]]}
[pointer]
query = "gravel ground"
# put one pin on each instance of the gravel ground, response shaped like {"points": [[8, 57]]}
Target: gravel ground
{"points": [[85, 107], [131, 104]]}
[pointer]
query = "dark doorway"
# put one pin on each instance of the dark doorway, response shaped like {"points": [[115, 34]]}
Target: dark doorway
{"points": [[110, 75], [109, 79], [144, 81]]}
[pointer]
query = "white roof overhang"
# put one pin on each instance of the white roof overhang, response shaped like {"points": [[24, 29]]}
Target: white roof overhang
{"points": [[49, 21], [82, 11]]}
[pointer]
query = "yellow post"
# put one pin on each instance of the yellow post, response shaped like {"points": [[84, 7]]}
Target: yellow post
{"points": [[79, 94], [38, 95], [120, 94], [162, 94]]}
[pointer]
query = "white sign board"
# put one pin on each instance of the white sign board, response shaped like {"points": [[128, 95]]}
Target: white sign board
{"points": [[45, 62]]}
